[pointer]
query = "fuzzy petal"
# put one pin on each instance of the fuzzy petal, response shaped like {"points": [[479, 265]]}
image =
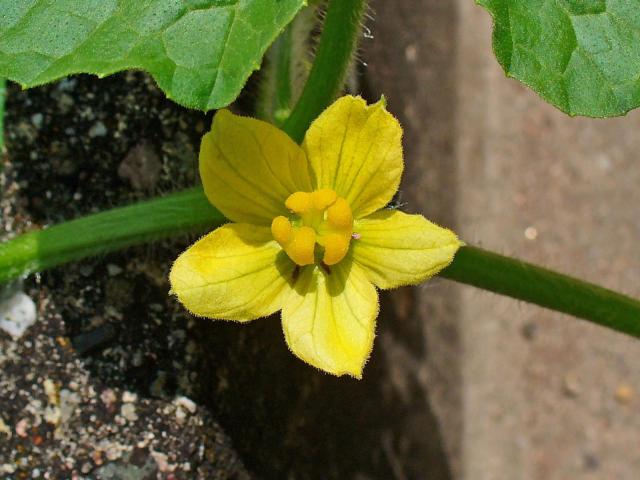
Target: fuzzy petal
{"points": [[329, 319], [249, 168], [356, 150], [396, 249], [237, 272]]}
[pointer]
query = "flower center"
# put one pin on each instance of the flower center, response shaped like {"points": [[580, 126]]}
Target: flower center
{"points": [[321, 224]]}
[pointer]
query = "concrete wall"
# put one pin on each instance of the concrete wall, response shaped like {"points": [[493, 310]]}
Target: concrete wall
{"points": [[519, 392]]}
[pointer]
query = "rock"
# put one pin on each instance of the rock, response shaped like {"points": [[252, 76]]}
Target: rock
{"points": [[98, 130], [128, 411], [36, 119], [185, 404], [129, 397], [113, 269], [17, 314], [141, 167]]}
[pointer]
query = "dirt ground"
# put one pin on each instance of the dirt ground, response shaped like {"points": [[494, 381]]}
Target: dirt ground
{"points": [[116, 381]]}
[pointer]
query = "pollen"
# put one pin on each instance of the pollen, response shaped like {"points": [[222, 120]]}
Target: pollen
{"points": [[320, 229]]}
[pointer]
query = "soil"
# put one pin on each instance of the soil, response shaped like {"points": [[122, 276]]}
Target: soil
{"points": [[115, 380], [91, 390]]}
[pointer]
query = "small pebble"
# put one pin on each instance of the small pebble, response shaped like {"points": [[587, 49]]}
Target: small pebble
{"points": [[180, 415], [113, 269], [128, 411], [141, 167], [36, 119], [65, 102], [529, 331], [21, 427], [4, 428], [98, 130], [108, 397], [162, 461], [185, 403], [17, 314], [571, 385], [129, 397], [51, 390], [411, 53], [52, 415], [531, 233]]}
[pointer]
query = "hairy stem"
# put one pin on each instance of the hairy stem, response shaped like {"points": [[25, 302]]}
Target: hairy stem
{"points": [[326, 79], [286, 68], [534, 284], [178, 213]]}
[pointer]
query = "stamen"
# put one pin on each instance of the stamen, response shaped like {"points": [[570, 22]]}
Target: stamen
{"points": [[339, 214], [281, 230], [302, 246], [299, 202], [323, 198], [335, 248], [322, 217]]}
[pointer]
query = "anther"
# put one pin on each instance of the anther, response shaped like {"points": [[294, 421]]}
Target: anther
{"points": [[299, 202], [339, 214], [281, 230], [335, 248], [323, 198]]}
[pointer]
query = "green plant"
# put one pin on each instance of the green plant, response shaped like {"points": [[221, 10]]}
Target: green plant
{"points": [[583, 57]]}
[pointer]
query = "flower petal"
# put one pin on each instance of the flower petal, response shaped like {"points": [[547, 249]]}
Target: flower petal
{"points": [[249, 168], [356, 150], [396, 249], [329, 319], [237, 272]]}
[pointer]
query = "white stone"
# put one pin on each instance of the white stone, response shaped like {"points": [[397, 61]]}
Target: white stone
{"points": [[186, 403], [17, 314], [129, 397], [128, 411]]}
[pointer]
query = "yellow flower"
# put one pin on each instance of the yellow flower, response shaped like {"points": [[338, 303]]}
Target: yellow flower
{"points": [[312, 237]]}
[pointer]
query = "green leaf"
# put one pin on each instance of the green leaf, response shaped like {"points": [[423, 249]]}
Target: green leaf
{"points": [[583, 56], [200, 52]]}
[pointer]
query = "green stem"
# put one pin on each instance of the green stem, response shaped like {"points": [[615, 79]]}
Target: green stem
{"points": [[186, 211], [275, 97], [189, 211], [326, 79], [534, 284]]}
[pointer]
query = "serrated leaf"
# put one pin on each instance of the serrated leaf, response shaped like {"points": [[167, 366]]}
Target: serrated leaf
{"points": [[200, 52], [583, 56]]}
